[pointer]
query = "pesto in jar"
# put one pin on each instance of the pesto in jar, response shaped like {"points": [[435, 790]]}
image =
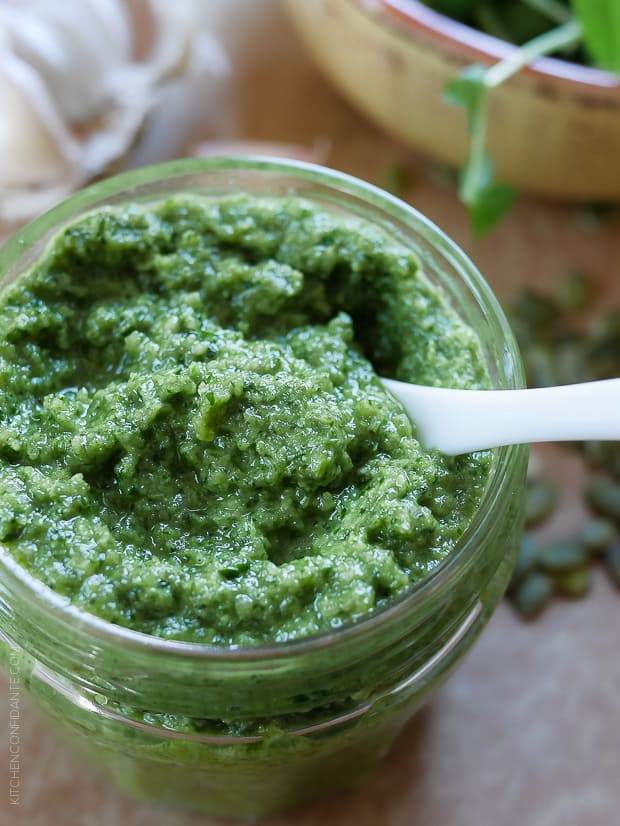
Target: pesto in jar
{"points": [[194, 442]]}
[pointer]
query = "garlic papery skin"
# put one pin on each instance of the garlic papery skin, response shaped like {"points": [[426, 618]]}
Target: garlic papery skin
{"points": [[82, 94]]}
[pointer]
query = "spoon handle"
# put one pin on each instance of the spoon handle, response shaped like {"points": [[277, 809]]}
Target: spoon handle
{"points": [[460, 421]]}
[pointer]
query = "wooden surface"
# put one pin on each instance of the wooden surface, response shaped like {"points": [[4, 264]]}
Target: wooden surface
{"points": [[527, 732]]}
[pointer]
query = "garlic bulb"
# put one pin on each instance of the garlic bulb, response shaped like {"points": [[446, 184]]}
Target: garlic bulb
{"points": [[82, 94]]}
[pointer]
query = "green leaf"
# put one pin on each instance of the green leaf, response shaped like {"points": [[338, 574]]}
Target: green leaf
{"points": [[487, 200], [600, 20], [489, 206], [467, 88]]}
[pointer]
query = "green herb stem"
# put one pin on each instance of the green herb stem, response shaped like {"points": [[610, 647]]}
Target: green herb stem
{"points": [[474, 171], [568, 34]]}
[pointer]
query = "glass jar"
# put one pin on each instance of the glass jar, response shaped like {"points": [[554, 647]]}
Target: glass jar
{"points": [[248, 731]]}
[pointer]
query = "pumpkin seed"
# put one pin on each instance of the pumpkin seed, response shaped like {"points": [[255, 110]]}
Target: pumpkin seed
{"points": [[526, 560], [604, 497], [612, 563], [572, 583], [604, 455], [573, 292], [540, 500], [556, 350], [605, 327], [532, 594], [564, 555], [596, 534]]}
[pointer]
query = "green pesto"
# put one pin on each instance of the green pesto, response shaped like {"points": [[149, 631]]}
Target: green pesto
{"points": [[194, 442]]}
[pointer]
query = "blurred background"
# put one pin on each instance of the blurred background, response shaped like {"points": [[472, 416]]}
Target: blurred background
{"points": [[528, 730]]}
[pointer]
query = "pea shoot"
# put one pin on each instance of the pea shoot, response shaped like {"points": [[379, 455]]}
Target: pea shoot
{"points": [[584, 28]]}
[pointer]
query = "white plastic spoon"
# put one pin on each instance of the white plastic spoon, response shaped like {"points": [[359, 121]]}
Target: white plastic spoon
{"points": [[460, 421]]}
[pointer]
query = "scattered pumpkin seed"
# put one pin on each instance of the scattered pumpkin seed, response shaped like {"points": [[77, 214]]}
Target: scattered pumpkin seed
{"points": [[563, 555], [557, 348], [605, 326], [572, 583], [603, 496], [526, 560], [532, 594], [612, 563], [573, 292], [604, 455], [540, 501], [596, 535]]}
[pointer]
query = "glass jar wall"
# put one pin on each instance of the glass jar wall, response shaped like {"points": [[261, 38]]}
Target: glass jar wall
{"points": [[251, 730]]}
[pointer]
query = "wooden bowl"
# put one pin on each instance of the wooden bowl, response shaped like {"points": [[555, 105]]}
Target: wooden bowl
{"points": [[554, 128]]}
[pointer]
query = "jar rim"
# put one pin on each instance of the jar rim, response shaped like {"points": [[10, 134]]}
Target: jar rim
{"points": [[122, 186]]}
